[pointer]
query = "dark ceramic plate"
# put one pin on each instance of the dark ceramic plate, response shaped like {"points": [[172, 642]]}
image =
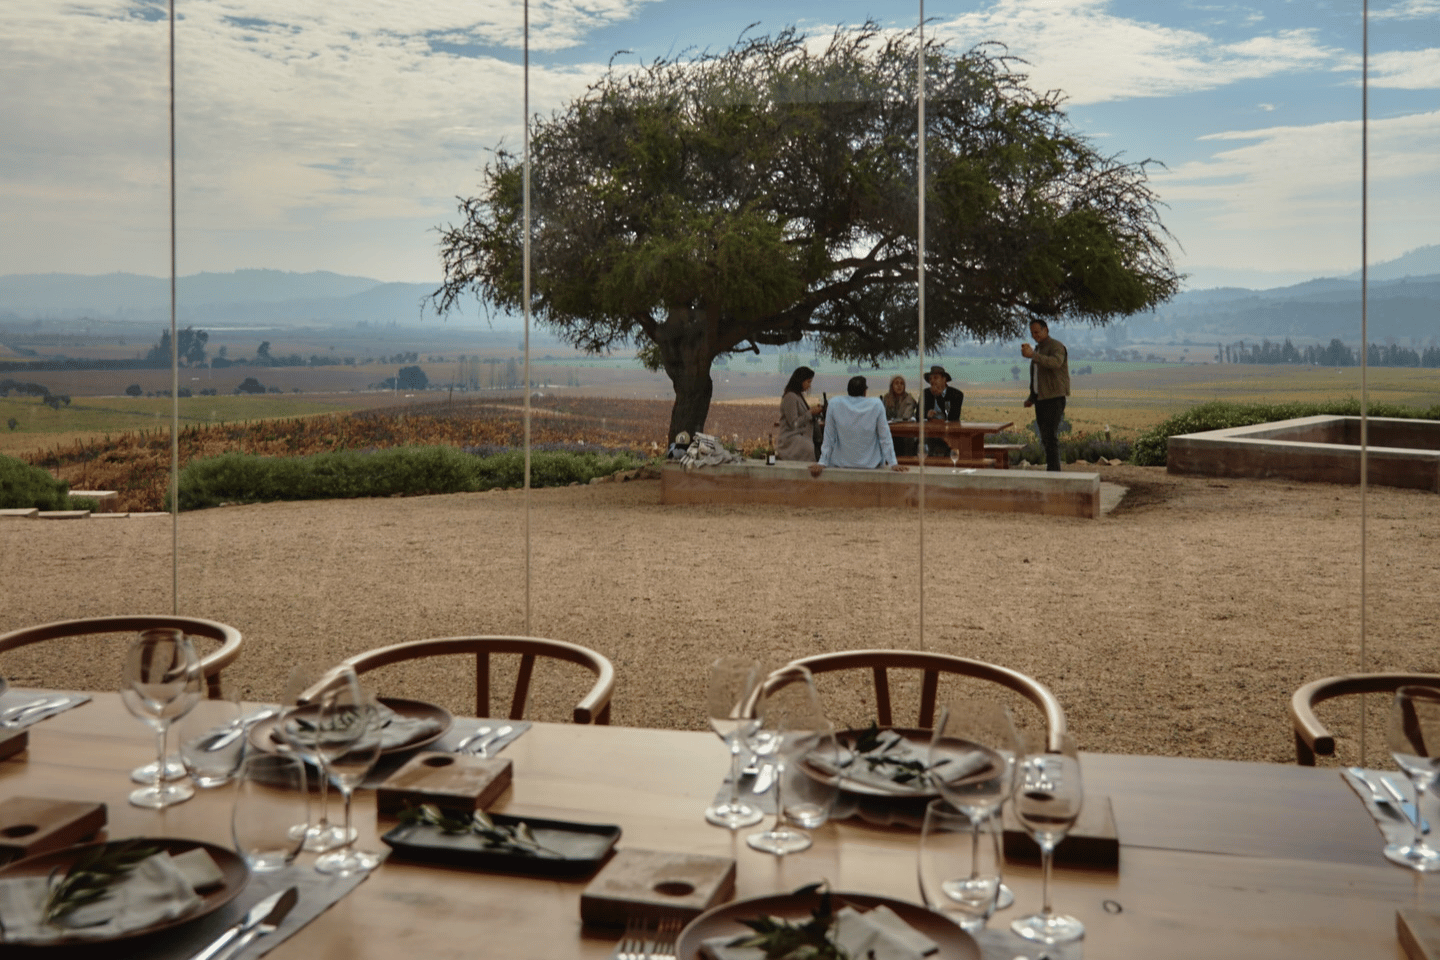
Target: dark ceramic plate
{"points": [[233, 870], [578, 848]]}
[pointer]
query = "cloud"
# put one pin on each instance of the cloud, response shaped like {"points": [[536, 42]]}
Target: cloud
{"points": [[1062, 40], [289, 115], [1406, 69], [1408, 10], [1290, 196]]}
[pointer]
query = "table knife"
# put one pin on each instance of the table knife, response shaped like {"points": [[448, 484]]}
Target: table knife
{"points": [[764, 779], [266, 925], [1412, 812], [13, 715], [253, 917], [482, 747]]}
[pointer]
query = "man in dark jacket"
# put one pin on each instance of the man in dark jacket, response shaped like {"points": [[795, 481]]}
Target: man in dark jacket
{"points": [[1049, 386], [939, 404]]}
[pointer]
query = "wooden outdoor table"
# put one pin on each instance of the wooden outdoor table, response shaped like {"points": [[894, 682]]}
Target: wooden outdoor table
{"points": [[967, 437], [1218, 859]]}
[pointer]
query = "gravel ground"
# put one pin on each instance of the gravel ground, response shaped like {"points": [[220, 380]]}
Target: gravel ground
{"points": [[1178, 624]]}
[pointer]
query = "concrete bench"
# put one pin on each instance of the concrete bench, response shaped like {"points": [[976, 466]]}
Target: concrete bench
{"points": [[20, 513], [790, 484]]}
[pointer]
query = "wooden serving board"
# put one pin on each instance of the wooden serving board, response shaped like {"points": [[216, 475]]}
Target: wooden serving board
{"points": [[450, 781], [34, 825], [12, 742], [1092, 842], [653, 884], [1419, 932]]}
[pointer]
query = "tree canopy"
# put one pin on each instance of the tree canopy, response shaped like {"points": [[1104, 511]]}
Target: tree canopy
{"points": [[708, 204]]}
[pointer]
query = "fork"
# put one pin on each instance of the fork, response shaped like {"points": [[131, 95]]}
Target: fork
{"points": [[632, 944], [665, 936]]}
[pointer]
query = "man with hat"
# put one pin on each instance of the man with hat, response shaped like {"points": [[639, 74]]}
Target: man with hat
{"points": [[857, 434], [939, 404]]}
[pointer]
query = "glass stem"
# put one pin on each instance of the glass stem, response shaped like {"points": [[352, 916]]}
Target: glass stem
{"points": [[1420, 789], [160, 756], [1047, 857], [974, 849], [346, 793], [734, 774], [324, 820], [779, 797]]}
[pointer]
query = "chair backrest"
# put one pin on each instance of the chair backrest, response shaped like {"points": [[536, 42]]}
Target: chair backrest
{"points": [[210, 664], [931, 665], [594, 707], [1312, 738]]}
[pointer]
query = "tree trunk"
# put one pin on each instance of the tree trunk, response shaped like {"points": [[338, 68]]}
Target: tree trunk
{"points": [[687, 352]]}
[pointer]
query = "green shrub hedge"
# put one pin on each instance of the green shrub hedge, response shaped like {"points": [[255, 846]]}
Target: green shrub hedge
{"points": [[23, 486], [409, 471], [1151, 447]]}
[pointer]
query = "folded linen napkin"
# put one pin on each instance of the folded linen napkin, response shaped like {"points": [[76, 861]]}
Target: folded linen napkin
{"points": [[857, 768], [59, 703], [396, 730], [156, 890], [1389, 819], [879, 933]]}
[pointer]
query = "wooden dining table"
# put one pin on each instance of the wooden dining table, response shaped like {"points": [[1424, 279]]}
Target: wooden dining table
{"points": [[967, 437], [1218, 859]]}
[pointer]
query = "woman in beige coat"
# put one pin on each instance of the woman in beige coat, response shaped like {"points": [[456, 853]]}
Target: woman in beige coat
{"points": [[797, 419]]}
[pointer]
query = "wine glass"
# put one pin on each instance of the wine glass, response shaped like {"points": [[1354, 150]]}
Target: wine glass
{"points": [[949, 838], [730, 703], [791, 722], [212, 740], [162, 682], [1414, 741], [299, 725], [972, 765], [955, 459], [1047, 803], [350, 726]]}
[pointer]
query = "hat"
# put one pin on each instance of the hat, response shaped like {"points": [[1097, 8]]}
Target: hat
{"points": [[940, 370]]}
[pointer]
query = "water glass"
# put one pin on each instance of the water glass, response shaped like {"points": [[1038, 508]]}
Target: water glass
{"points": [[809, 789], [270, 798], [1414, 741], [961, 865], [212, 742]]}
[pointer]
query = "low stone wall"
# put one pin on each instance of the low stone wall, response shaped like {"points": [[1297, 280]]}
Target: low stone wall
{"points": [[1401, 453], [790, 484]]}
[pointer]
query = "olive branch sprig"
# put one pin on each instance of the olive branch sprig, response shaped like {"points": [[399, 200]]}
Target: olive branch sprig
{"points": [[873, 747], [806, 940], [91, 877], [518, 838]]}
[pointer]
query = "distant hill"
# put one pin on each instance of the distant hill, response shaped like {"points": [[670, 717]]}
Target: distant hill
{"points": [[269, 297]]}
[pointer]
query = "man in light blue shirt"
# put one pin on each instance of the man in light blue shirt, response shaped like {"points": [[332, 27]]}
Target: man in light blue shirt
{"points": [[856, 433]]}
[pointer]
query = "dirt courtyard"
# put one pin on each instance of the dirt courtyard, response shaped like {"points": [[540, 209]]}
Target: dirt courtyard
{"points": [[1178, 624]]}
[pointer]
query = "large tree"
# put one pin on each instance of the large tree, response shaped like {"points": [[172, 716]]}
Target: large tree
{"points": [[708, 204]]}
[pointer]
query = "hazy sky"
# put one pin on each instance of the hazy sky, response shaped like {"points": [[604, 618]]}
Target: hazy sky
{"points": [[335, 135]]}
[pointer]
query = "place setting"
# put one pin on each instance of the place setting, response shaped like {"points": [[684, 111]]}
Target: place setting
{"points": [[953, 783], [188, 898]]}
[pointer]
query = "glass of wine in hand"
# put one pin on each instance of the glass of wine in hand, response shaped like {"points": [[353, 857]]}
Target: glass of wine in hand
{"points": [[730, 705], [1048, 798], [161, 683], [1414, 741]]}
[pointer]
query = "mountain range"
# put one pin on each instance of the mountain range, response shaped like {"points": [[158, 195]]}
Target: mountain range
{"points": [[1404, 302]]}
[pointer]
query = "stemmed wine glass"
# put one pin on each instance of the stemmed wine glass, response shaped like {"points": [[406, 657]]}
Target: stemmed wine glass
{"points": [[162, 682], [299, 725], [978, 789], [1047, 803], [791, 724], [955, 459], [350, 728], [730, 703], [1414, 741]]}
